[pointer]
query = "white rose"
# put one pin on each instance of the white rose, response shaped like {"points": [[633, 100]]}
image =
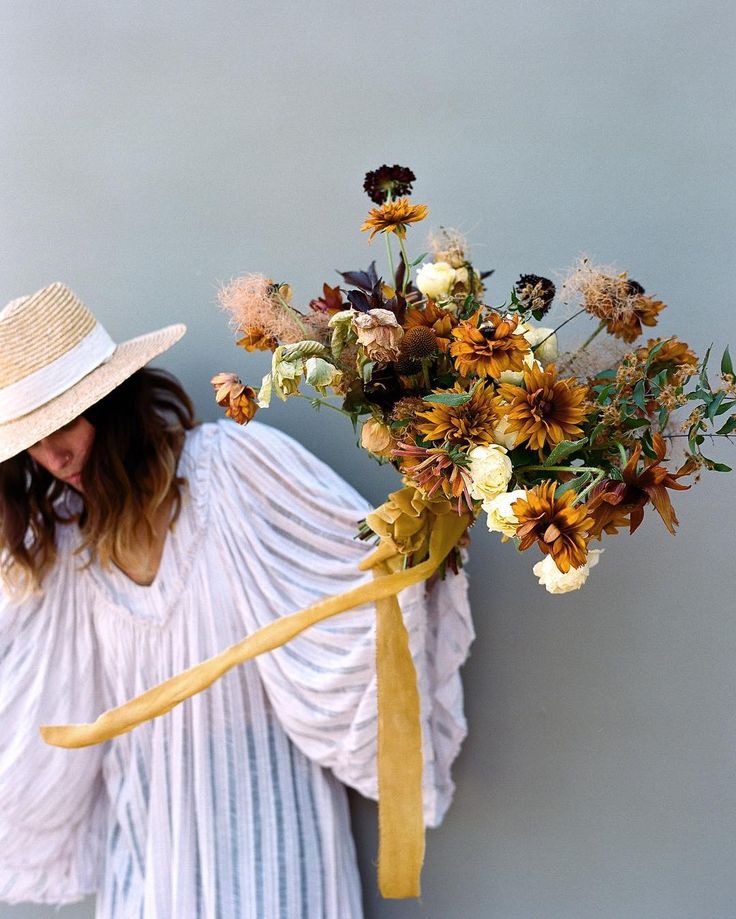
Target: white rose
{"points": [[516, 376], [490, 471], [435, 279], [501, 436], [499, 514], [556, 581], [547, 352]]}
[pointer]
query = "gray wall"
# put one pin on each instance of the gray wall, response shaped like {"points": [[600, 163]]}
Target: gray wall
{"points": [[152, 150]]}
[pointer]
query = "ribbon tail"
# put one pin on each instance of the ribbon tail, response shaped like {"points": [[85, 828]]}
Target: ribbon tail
{"points": [[400, 812]]}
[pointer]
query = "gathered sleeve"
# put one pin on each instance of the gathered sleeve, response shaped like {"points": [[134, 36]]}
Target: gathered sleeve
{"points": [[52, 803], [294, 520]]}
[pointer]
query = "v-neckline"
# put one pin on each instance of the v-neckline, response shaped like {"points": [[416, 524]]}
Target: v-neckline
{"points": [[152, 604]]}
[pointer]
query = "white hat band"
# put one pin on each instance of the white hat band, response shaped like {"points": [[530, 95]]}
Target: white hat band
{"points": [[42, 385]]}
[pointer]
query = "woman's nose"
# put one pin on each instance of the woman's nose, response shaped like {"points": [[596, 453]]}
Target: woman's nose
{"points": [[58, 456]]}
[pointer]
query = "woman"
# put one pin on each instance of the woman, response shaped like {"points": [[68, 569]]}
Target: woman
{"points": [[134, 545]]}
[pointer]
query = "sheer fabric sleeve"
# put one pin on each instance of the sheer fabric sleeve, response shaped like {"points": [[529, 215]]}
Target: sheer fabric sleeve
{"points": [[52, 806], [291, 521]]}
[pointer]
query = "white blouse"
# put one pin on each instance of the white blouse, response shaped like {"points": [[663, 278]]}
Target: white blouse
{"points": [[231, 806]]}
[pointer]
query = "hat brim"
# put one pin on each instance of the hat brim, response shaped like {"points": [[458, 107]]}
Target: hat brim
{"points": [[129, 356]]}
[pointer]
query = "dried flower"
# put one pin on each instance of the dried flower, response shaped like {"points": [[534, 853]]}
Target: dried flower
{"points": [[545, 410], [535, 293], [330, 302], [672, 356], [376, 437], [488, 350], [379, 332], [437, 470], [393, 217], [232, 394], [554, 524], [448, 245], [388, 181], [261, 310]]}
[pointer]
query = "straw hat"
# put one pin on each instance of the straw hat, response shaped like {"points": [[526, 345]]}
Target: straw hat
{"points": [[56, 360]]}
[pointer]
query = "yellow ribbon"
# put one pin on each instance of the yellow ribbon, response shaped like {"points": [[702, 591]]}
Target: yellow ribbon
{"points": [[401, 824]]}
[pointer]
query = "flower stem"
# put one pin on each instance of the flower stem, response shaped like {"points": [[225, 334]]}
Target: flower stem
{"points": [[562, 468], [569, 319], [295, 315], [590, 338], [321, 402], [407, 266], [390, 258], [583, 494]]}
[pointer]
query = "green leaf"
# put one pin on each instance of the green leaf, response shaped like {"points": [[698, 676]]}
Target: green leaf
{"points": [[628, 424], [703, 371], [716, 467], [564, 449], [606, 375], [713, 405], [638, 395], [615, 473], [726, 362], [575, 484], [418, 259], [728, 427], [449, 398]]}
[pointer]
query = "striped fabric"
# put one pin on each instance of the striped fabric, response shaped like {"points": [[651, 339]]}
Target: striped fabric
{"points": [[231, 806]]}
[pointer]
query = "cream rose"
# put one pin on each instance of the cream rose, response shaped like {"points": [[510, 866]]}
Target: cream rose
{"points": [[490, 471], [501, 435], [546, 352], [558, 582], [516, 376], [435, 279], [500, 516]]}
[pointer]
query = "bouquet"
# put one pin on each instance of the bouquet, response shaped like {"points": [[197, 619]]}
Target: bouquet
{"points": [[474, 402]]}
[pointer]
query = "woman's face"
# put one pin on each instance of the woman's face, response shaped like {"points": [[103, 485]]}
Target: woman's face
{"points": [[65, 452]]}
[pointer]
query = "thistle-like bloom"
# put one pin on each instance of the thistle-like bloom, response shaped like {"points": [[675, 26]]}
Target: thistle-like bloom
{"points": [[545, 410], [489, 350], [393, 217], [437, 471], [440, 321], [238, 400], [465, 425], [535, 293], [613, 503], [393, 181], [558, 528]]}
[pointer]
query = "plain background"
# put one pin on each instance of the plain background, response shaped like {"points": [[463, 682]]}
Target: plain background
{"points": [[151, 151]]}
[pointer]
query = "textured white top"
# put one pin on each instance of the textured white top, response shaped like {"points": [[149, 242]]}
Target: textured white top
{"points": [[231, 806]]}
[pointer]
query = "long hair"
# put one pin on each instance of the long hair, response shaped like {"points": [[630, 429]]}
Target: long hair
{"points": [[130, 473]]}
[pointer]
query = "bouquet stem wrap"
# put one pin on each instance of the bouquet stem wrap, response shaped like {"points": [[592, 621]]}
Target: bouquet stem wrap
{"points": [[401, 823]]}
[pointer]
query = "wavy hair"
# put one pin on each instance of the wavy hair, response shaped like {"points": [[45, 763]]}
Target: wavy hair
{"points": [[130, 473]]}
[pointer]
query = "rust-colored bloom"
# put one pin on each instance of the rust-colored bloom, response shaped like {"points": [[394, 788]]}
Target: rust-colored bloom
{"points": [[466, 425], [238, 400], [612, 502], [437, 471], [256, 339], [643, 310], [554, 524], [488, 350], [393, 217], [545, 410], [673, 355], [330, 302], [379, 332], [441, 322]]}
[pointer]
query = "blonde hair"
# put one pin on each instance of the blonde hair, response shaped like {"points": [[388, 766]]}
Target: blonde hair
{"points": [[130, 473]]}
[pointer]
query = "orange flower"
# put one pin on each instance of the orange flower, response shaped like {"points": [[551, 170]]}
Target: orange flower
{"points": [[671, 356], [393, 217], [441, 322], [613, 502], [642, 311], [469, 424], [544, 410], [256, 339], [558, 528], [489, 350]]}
